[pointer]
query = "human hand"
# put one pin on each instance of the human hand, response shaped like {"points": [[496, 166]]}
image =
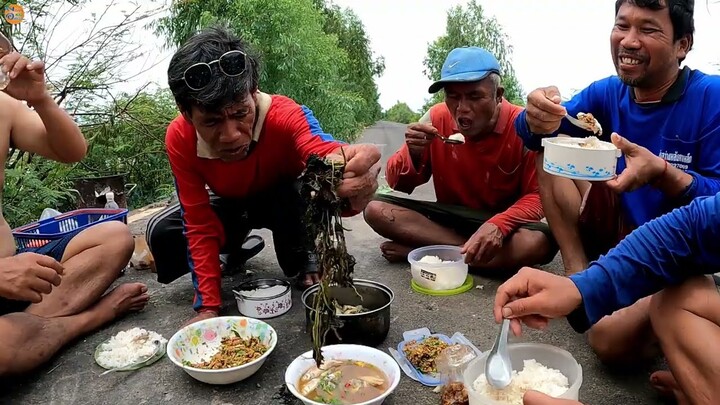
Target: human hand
{"points": [[538, 398], [641, 166], [418, 138], [27, 79], [544, 113], [483, 245], [27, 276], [362, 166], [533, 297], [201, 317]]}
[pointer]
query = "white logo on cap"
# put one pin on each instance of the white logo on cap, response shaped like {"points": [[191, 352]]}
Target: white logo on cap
{"points": [[453, 65]]}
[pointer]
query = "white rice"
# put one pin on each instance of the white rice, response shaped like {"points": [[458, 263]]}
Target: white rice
{"points": [[433, 260], [534, 376], [128, 346], [264, 292]]}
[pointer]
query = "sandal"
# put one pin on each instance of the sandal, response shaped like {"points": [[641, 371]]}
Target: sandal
{"points": [[232, 263]]}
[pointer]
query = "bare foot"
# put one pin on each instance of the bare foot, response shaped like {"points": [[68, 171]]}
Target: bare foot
{"points": [[395, 252], [664, 382], [121, 300], [200, 317], [310, 279]]}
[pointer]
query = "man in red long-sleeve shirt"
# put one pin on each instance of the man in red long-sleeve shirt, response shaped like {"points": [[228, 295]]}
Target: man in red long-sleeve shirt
{"points": [[248, 148], [487, 192]]}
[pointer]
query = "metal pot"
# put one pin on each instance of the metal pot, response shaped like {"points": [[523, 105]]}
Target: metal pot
{"points": [[368, 328]]}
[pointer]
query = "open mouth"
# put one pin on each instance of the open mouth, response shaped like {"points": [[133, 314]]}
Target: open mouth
{"points": [[464, 123]]}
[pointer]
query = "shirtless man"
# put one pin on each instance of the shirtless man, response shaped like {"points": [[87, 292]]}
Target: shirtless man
{"points": [[51, 295]]}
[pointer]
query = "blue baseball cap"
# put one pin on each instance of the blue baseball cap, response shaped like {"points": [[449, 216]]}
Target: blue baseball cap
{"points": [[466, 64]]}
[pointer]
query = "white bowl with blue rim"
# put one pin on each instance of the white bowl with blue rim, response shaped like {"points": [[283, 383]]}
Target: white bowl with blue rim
{"points": [[199, 341], [575, 159]]}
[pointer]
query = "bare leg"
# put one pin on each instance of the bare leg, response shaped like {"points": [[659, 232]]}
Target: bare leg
{"points": [[30, 340], [625, 337], [685, 319], [562, 201], [407, 229], [524, 247], [93, 260]]}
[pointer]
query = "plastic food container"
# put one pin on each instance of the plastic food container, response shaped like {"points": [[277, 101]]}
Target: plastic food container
{"points": [[547, 355], [564, 156], [441, 276]]}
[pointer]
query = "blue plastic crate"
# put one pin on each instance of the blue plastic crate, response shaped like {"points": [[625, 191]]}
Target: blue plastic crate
{"points": [[40, 233]]}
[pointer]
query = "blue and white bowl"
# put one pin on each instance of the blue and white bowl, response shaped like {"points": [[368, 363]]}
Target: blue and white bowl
{"points": [[566, 157]]}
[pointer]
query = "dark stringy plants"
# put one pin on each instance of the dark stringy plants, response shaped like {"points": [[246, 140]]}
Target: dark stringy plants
{"points": [[323, 218]]}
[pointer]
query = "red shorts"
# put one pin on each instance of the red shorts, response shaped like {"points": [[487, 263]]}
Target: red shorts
{"points": [[602, 224]]}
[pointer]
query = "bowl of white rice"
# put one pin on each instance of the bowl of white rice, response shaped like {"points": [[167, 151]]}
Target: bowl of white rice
{"points": [[438, 267], [536, 366]]}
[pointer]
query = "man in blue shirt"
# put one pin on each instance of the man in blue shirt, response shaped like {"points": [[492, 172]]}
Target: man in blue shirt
{"points": [[672, 253], [668, 121]]}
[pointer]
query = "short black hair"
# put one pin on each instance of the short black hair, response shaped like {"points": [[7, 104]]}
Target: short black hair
{"points": [[681, 14], [206, 46]]}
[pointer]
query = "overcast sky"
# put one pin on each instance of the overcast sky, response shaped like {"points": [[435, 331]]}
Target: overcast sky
{"points": [[556, 42]]}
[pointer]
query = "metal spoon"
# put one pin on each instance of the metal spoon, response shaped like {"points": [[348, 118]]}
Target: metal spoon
{"points": [[584, 125], [451, 141], [498, 368]]}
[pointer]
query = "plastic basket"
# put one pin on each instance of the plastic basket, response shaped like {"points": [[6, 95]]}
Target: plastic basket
{"points": [[40, 233]]}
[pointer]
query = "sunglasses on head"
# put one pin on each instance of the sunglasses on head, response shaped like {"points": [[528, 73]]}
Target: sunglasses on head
{"points": [[231, 64]]}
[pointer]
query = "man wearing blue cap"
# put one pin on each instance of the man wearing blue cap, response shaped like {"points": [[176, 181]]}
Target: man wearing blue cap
{"points": [[487, 193]]}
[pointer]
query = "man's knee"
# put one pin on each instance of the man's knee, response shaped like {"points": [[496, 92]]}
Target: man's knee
{"points": [[601, 339], [698, 296], [376, 215], [116, 236], [538, 243], [160, 227]]}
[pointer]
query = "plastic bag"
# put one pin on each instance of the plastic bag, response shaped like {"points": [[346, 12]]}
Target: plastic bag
{"points": [[141, 258], [451, 364]]}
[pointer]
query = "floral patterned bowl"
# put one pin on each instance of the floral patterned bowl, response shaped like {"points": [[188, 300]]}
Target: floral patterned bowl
{"points": [[201, 340]]}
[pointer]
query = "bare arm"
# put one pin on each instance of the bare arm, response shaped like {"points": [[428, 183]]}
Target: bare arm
{"points": [[48, 131]]}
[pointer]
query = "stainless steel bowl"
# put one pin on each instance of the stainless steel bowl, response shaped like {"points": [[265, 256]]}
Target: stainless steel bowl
{"points": [[368, 328]]}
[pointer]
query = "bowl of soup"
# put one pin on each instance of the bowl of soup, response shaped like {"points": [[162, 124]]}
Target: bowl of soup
{"points": [[349, 375]]}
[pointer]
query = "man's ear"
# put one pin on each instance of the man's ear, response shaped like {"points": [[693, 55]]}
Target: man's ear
{"points": [[500, 93]]}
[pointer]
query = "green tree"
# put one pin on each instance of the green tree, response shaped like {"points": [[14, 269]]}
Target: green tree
{"points": [[468, 26], [401, 113], [125, 132], [362, 67], [300, 60]]}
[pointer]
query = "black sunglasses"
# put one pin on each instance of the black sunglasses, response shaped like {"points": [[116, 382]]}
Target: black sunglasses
{"points": [[200, 74]]}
